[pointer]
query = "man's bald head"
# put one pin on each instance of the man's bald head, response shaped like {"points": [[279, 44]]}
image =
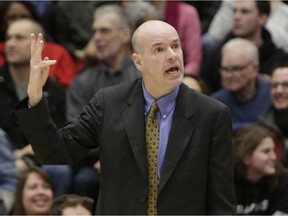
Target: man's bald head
{"points": [[147, 28], [242, 47], [31, 26]]}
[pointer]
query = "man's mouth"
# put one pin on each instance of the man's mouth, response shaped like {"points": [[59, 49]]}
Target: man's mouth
{"points": [[172, 70]]}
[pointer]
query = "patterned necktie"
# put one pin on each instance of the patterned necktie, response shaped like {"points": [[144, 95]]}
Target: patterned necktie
{"points": [[152, 142]]}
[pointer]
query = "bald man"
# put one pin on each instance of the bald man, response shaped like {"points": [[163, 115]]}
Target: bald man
{"points": [[243, 91], [195, 164]]}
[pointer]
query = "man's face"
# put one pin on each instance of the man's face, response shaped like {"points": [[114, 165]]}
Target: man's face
{"points": [[108, 37], [160, 58], [279, 88], [246, 19], [17, 44], [237, 72]]}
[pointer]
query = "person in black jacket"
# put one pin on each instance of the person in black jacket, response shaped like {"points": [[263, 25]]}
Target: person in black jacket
{"points": [[261, 182], [249, 21], [14, 78], [195, 171]]}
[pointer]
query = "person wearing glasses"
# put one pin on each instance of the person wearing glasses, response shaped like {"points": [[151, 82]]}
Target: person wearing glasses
{"points": [[111, 38], [249, 20], [244, 91], [276, 118]]}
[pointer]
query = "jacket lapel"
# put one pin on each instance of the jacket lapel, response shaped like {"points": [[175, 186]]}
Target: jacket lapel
{"points": [[134, 121], [180, 134]]}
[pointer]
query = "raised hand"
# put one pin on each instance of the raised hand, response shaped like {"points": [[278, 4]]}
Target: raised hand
{"points": [[39, 70]]}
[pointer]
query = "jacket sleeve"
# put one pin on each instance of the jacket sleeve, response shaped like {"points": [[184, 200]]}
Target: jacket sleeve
{"points": [[67, 145]]}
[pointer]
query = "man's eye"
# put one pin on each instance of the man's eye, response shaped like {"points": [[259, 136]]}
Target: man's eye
{"points": [[176, 46], [158, 49]]}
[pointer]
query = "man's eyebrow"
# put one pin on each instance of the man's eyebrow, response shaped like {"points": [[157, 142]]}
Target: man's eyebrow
{"points": [[160, 43], [157, 44]]}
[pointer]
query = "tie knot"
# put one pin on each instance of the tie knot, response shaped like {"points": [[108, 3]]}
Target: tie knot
{"points": [[154, 108]]}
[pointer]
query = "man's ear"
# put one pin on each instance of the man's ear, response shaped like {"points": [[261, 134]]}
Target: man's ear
{"points": [[137, 61], [263, 19], [256, 69]]}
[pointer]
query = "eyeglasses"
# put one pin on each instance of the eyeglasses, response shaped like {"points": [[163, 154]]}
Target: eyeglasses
{"points": [[234, 69], [275, 85]]}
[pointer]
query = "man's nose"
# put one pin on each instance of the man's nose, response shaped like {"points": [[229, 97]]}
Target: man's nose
{"points": [[171, 54], [279, 88], [236, 14]]}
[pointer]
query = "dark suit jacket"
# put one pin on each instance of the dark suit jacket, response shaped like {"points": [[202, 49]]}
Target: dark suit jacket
{"points": [[197, 174]]}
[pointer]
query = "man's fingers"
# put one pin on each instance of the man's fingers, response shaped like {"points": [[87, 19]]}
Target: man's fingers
{"points": [[45, 63], [39, 47], [33, 43]]}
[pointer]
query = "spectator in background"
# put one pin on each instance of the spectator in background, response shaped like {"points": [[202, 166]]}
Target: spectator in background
{"points": [[261, 183], [13, 10], [249, 20], [34, 194], [184, 18], [138, 12], [277, 24], [111, 37], [65, 70], [14, 78], [206, 11], [72, 28], [10, 11], [8, 175], [276, 118], [71, 204], [244, 92]]}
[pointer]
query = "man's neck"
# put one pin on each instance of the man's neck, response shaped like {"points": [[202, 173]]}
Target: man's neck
{"points": [[20, 73], [247, 93], [115, 63], [256, 38]]}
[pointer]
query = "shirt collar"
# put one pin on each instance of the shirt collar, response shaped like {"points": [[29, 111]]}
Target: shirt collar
{"points": [[165, 103]]}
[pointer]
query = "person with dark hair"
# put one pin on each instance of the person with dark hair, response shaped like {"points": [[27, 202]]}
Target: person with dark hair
{"points": [[261, 183], [14, 76], [276, 118], [65, 71], [249, 20], [164, 148], [34, 193], [71, 204], [13, 10]]}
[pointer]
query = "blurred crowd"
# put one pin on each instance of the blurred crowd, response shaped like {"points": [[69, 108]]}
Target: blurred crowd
{"points": [[234, 51]]}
